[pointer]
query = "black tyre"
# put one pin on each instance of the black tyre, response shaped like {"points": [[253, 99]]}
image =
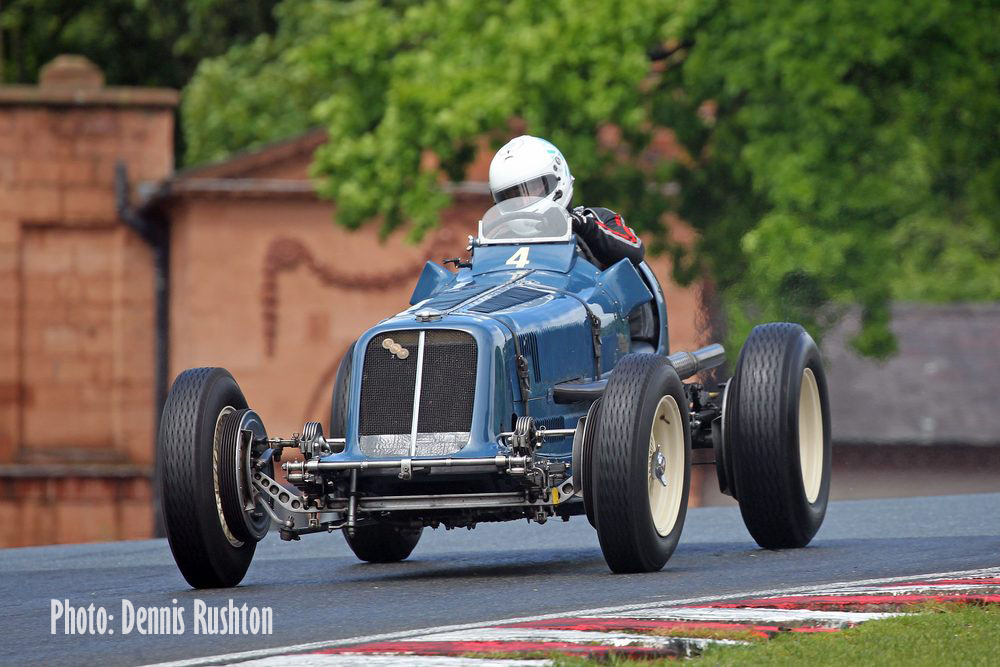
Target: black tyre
{"points": [[583, 456], [382, 543], [341, 392], [641, 470], [378, 543], [210, 551], [777, 432]]}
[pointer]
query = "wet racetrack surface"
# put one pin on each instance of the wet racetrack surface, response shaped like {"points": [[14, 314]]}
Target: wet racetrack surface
{"points": [[318, 591]]}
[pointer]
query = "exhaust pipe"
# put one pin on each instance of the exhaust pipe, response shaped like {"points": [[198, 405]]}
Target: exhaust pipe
{"points": [[688, 363], [685, 363]]}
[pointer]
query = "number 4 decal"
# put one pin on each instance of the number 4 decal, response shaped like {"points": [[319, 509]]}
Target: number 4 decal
{"points": [[519, 258]]}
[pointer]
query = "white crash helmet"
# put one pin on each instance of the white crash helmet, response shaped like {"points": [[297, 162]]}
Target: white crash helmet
{"points": [[531, 168]]}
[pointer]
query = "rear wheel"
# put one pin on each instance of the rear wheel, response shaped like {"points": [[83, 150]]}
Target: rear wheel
{"points": [[211, 520], [641, 471], [376, 543], [777, 432]]}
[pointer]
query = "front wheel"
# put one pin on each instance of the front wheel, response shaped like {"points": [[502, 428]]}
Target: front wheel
{"points": [[641, 464], [212, 520], [777, 436]]}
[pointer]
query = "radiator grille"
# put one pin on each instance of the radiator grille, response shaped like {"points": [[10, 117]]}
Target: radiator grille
{"points": [[387, 386], [447, 390], [449, 382]]}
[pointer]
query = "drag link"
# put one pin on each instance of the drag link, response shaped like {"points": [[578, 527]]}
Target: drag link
{"points": [[294, 441], [543, 433]]}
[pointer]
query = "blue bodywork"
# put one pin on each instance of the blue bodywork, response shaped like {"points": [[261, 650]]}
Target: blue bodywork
{"points": [[557, 294]]}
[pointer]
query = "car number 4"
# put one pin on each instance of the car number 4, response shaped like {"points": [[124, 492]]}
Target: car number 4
{"points": [[519, 258]]}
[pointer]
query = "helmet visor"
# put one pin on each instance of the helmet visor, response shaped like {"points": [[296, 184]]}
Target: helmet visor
{"points": [[539, 186]]}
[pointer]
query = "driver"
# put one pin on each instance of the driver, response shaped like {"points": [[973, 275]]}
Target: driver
{"points": [[531, 167]]}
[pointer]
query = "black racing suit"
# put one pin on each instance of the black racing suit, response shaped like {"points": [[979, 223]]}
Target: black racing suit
{"points": [[606, 234]]}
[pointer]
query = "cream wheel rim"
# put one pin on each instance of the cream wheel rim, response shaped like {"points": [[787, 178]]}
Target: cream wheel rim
{"points": [[665, 465], [810, 436]]}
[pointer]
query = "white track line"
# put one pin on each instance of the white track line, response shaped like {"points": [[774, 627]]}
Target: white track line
{"points": [[407, 634], [618, 639], [929, 589], [369, 660], [758, 615]]}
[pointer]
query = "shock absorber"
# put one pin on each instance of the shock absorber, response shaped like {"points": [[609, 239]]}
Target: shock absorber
{"points": [[352, 503]]}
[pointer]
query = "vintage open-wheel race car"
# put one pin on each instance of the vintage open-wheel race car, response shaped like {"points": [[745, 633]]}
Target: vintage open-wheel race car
{"points": [[528, 383]]}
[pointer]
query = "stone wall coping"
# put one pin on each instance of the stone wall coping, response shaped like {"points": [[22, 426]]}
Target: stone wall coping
{"points": [[242, 186], [153, 193], [81, 470], [240, 163], [114, 96]]}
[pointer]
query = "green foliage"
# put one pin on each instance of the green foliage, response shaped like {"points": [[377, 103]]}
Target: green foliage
{"points": [[135, 42], [395, 81], [931, 635], [866, 137], [840, 152], [949, 634]]}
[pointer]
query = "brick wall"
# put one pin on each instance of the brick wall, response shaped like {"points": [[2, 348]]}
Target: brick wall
{"points": [[76, 290]]}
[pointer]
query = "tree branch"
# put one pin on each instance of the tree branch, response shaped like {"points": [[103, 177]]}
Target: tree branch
{"points": [[662, 53]]}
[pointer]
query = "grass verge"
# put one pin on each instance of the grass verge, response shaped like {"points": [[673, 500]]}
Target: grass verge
{"points": [[933, 634]]}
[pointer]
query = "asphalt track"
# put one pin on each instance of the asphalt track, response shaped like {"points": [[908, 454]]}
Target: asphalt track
{"points": [[318, 591]]}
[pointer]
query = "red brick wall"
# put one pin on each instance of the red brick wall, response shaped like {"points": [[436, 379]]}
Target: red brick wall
{"points": [[76, 290]]}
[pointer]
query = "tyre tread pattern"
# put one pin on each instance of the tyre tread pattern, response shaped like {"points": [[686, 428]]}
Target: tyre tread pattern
{"points": [[181, 492], [766, 475], [621, 512]]}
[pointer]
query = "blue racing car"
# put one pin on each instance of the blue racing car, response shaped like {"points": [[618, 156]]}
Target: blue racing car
{"points": [[526, 383]]}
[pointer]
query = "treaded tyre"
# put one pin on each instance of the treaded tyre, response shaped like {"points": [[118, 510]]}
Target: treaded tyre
{"points": [[583, 454], [382, 543], [208, 552], [378, 543], [641, 464], [341, 392], [777, 432]]}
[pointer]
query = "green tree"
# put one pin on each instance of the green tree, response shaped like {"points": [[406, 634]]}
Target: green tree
{"points": [[837, 153], [135, 42], [854, 157]]}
